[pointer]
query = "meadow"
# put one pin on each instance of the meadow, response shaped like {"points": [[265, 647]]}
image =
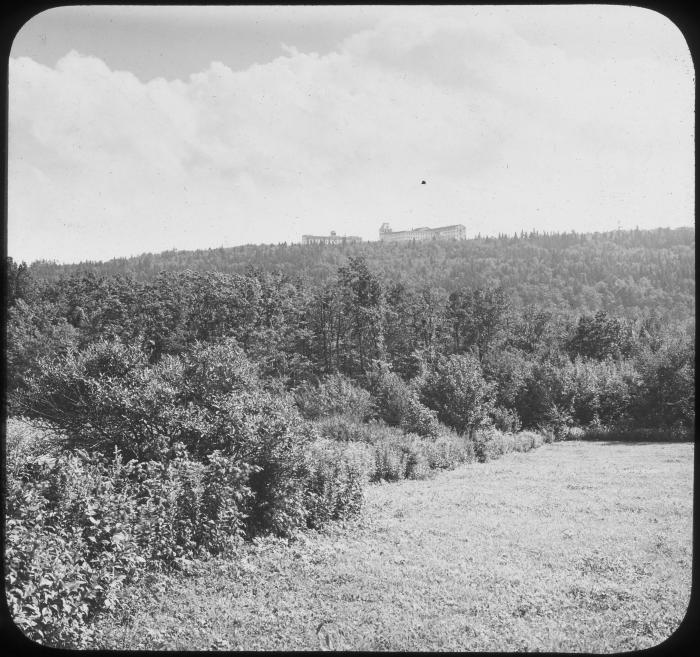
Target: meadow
{"points": [[576, 546]]}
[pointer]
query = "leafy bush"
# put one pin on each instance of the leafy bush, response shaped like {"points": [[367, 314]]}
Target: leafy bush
{"points": [[448, 451], [600, 391], [676, 433], [335, 395], [600, 337], [535, 439], [397, 455], [64, 555], [457, 390], [34, 332], [546, 401], [492, 444], [399, 406], [79, 526], [401, 458], [209, 400], [344, 428], [508, 369], [25, 443], [337, 477], [505, 419], [664, 395]]}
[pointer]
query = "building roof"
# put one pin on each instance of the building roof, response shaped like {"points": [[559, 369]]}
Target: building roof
{"points": [[332, 237], [415, 230]]}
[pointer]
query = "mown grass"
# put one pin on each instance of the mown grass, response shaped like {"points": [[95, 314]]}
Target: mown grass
{"points": [[576, 546]]}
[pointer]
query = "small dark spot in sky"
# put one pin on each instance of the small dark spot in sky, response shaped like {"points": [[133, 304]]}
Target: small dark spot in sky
{"points": [[422, 182]]}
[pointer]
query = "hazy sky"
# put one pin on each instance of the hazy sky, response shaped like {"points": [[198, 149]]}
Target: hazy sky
{"points": [[135, 129]]}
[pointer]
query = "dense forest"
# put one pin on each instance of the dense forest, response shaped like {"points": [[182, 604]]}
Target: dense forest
{"points": [[626, 273], [193, 400]]}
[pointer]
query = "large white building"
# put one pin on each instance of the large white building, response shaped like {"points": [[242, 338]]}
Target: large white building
{"points": [[424, 234], [330, 239]]}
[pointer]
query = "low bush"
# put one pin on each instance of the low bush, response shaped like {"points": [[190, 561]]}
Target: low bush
{"points": [[399, 406], [398, 455], [457, 391], [344, 428], [448, 451], [492, 444], [401, 458], [338, 474], [208, 400], [79, 526], [25, 442], [536, 440], [34, 331], [673, 434], [335, 395], [599, 391], [347, 429], [505, 419]]}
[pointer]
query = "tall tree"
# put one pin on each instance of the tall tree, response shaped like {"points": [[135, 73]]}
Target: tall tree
{"points": [[362, 298], [476, 318]]}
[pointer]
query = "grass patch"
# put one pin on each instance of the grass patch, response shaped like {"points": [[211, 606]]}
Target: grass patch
{"points": [[536, 551]]}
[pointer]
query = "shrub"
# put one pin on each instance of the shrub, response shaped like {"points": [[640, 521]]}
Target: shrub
{"points": [[389, 463], [34, 332], [457, 390], [335, 395], [535, 439], [208, 400], [489, 445], [676, 433], [93, 398], [398, 404], [345, 429], [187, 508], [508, 369], [401, 457], [546, 401], [505, 419], [25, 443], [664, 394], [336, 480], [80, 526], [574, 433], [397, 455], [600, 391], [419, 419], [66, 553], [448, 451]]}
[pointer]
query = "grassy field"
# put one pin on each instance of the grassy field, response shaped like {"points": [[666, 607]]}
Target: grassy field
{"points": [[575, 546]]}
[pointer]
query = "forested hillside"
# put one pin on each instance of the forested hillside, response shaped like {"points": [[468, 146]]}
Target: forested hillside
{"points": [[628, 273]]}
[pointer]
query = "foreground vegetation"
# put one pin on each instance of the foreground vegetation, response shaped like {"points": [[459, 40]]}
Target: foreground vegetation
{"points": [[563, 550], [81, 526]]}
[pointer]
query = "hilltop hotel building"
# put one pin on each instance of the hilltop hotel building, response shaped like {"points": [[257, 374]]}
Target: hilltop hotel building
{"points": [[456, 232], [330, 239]]}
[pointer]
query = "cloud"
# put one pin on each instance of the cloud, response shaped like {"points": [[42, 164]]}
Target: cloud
{"points": [[509, 133]]}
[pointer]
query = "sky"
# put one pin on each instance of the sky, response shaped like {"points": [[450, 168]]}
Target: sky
{"points": [[144, 129]]}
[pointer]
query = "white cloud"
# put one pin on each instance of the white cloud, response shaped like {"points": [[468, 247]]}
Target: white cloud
{"points": [[509, 134]]}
